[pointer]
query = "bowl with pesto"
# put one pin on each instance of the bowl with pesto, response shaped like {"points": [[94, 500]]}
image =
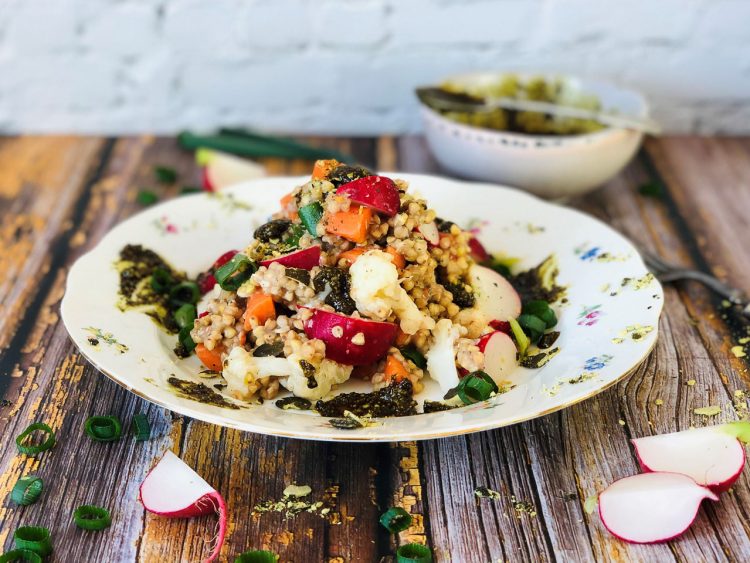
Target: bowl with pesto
{"points": [[356, 305], [550, 156]]}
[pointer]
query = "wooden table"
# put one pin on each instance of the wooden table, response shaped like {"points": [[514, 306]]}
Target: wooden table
{"points": [[60, 195]]}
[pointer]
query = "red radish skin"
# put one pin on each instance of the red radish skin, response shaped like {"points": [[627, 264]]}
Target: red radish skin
{"points": [[376, 192], [378, 337], [495, 297], [173, 490], [305, 259], [499, 355], [651, 507], [224, 258], [206, 181], [478, 252], [710, 456], [502, 326]]}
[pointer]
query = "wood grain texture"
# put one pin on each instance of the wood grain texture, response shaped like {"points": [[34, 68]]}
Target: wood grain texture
{"points": [[59, 196]]}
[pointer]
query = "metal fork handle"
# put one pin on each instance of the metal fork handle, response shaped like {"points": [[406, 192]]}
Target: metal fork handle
{"points": [[735, 296]]}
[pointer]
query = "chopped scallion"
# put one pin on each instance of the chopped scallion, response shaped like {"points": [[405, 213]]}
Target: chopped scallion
{"points": [[33, 449], [33, 538], [259, 556], [310, 216], [141, 428], [103, 428], [395, 520], [89, 517], [165, 174], [475, 387], [147, 197], [27, 489], [413, 553], [411, 353], [185, 339], [234, 273], [161, 280], [20, 555], [185, 315]]}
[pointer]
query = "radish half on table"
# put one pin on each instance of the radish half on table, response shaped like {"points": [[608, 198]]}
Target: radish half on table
{"points": [[651, 507], [174, 490], [712, 456]]}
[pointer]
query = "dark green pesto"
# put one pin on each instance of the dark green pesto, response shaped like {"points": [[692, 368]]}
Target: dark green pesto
{"points": [[436, 406], [294, 403], [302, 276], [392, 400], [309, 371], [273, 230], [344, 174], [529, 286], [340, 283], [200, 392]]}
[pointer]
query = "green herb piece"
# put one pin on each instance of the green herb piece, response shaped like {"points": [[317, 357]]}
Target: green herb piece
{"points": [[542, 310], [185, 315], [187, 190], [234, 273], [161, 280], [411, 353], [93, 518], [651, 189], [147, 197], [184, 338], [259, 556], [27, 489], [20, 555], [293, 234], [310, 216], [475, 387], [533, 326], [165, 174], [185, 292], [141, 428], [34, 449], [33, 538], [521, 339], [103, 428], [395, 520], [413, 553]]}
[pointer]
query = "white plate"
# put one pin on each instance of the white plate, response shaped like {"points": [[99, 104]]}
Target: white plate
{"points": [[608, 326]]}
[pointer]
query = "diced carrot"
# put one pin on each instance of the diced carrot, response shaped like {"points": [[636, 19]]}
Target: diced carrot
{"points": [[352, 255], [285, 201], [351, 225], [210, 358], [323, 168], [398, 260], [401, 337], [259, 308], [395, 370], [243, 337]]}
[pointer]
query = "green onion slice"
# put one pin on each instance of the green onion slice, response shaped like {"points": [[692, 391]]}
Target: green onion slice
{"points": [[186, 292], [165, 174], [89, 517], [475, 387], [533, 326], [234, 273], [413, 553], [33, 538], [411, 353], [185, 339], [258, 556], [141, 428], [20, 555], [33, 449], [147, 197], [310, 216], [395, 520], [161, 280], [522, 340], [540, 308], [185, 315], [103, 428], [27, 489]]}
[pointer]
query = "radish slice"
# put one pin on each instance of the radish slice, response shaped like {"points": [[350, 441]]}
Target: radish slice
{"points": [[478, 252], [222, 169], [174, 490], [376, 192], [430, 233], [499, 355], [305, 259], [651, 507], [495, 297], [711, 456]]}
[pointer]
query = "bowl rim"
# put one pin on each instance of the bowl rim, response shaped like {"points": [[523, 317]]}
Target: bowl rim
{"points": [[644, 110]]}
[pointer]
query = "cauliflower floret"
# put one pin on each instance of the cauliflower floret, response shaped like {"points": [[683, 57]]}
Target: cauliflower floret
{"points": [[441, 357], [327, 375], [242, 370], [376, 291]]}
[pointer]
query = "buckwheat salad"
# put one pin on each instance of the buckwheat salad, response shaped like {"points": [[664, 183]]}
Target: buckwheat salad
{"points": [[357, 278]]}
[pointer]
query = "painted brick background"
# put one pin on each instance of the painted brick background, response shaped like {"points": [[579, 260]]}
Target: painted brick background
{"points": [[335, 66]]}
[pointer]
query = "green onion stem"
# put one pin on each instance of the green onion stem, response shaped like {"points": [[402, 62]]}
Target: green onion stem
{"points": [[92, 518], [103, 428], [34, 449], [33, 538], [27, 489]]}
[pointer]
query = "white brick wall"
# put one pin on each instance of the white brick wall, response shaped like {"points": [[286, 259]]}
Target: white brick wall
{"points": [[336, 66]]}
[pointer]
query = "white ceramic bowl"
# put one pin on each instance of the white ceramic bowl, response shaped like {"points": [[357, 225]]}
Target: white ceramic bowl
{"points": [[549, 166]]}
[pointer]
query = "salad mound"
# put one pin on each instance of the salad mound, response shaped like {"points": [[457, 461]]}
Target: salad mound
{"points": [[354, 277]]}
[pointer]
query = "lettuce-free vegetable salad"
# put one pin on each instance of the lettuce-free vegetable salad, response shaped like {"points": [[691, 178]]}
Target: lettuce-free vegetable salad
{"points": [[354, 277]]}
